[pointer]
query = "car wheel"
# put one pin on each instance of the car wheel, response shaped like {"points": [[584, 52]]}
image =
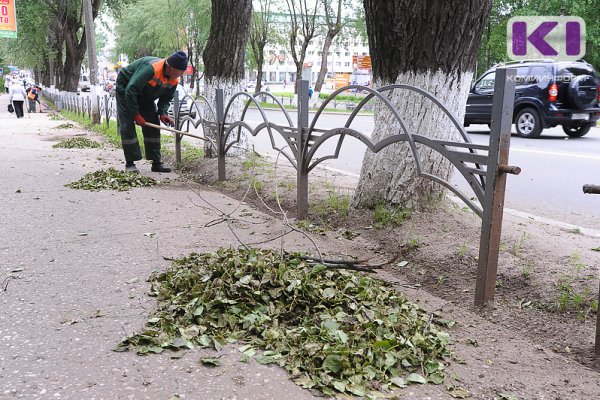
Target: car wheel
{"points": [[576, 131], [528, 123]]}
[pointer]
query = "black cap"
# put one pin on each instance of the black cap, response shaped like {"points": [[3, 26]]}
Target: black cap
{"points": [[178, 60]]}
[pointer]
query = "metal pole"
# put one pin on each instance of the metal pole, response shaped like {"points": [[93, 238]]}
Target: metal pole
{"points": [[595, 189], [91, 50], [495, 185], [220, 132], [106, 111], [178, 137], [301, 141]]}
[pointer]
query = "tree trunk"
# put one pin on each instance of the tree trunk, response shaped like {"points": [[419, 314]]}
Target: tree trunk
{"points": [[326, 45], [434, 47], [259, 73], [224, 55], [67, 32]]}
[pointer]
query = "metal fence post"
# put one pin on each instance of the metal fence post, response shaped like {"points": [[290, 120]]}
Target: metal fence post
{"points": [[106, 111], [178, 137], [220, 133], [595, 189], [301, 142], [495, 185]]}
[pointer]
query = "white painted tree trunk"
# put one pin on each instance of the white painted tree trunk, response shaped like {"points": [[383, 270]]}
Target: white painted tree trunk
{"points": [[233, 114], [391, 175]]}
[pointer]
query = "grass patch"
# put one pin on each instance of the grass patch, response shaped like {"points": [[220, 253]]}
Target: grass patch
{"points": [[190, 153], [384, 215], [110, 131], [78, 143], [570, 299], [517, 246], [111, 179], [255, 161], [335, 204], [335, 331]]}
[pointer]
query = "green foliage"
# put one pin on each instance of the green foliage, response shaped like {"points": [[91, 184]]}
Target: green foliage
{"points": [[30, 49], [255, 161], [575, 261], [527, 269], [570, 299], [385, 215], [517, 246], [189, 155], [66, 125], [144, 28], [462, 251], [109, 132], [78, 143], [333, 330], [335, 203], [311, 227], [111, 179], [576, 231]]}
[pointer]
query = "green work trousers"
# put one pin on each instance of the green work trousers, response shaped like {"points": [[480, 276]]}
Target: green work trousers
{"points": [[129, 140]]}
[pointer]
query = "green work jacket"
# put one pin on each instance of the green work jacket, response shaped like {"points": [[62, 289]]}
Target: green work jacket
{"points": [[142, 82]]}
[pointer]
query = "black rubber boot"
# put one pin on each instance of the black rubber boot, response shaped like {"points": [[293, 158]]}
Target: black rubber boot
{"points": [[130, 167], [158, 166]]}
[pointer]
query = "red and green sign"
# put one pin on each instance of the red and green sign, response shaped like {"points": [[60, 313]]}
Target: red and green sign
{"points": [[8, 19]]}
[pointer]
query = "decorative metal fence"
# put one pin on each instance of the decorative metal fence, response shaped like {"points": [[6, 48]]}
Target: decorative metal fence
{"points": [[82, 106], [595, 189], [484, 167]]}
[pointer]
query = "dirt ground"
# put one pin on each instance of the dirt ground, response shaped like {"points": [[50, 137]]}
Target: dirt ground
{"points": [[546, 291]]}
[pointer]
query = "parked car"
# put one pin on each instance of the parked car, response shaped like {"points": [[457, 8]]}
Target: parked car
{"points": [[185, 106], [547, 93], [84, 83]]}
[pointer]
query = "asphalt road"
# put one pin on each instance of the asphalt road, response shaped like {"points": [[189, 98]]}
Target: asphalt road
{"points": [[554, 167]]}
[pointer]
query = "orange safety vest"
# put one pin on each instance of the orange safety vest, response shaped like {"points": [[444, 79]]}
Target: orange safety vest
{"points": [[159, 77]]}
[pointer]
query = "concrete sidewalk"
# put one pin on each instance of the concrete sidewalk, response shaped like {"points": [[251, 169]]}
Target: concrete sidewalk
{"points": [[75, 264]]}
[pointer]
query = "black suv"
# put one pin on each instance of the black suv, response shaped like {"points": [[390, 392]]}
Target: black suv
{"points": [[547, 93]]}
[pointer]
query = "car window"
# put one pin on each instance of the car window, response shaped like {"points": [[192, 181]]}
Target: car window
{"points": [[522, 76], [575, 69], [486, 83], [540, 75]]}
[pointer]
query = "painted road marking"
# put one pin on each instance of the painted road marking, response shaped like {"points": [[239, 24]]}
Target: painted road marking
{"points": [[556, 153]]}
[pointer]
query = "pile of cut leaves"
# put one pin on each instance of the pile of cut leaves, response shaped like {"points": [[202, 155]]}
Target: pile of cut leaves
{"points": [[111, 179], [332, 330], [78, 143]]}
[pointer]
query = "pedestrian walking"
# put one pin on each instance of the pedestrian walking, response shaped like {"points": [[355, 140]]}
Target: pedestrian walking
{"points": [[139, 85], [17, 97]]}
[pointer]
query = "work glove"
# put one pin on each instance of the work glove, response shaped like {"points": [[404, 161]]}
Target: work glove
{"points": [[168, 121], [139, 120]]}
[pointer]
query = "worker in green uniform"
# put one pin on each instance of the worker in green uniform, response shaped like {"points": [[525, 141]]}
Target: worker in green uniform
{"points": [[139, 85]]}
